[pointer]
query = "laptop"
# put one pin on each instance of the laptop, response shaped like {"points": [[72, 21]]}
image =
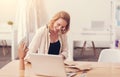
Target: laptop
{"points": [[48, 65]]}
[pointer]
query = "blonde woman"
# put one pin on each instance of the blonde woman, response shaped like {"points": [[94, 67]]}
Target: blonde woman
{"points": [[49, 39]]}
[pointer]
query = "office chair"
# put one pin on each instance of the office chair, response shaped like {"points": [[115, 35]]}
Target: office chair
{"points": [[109, 55]]}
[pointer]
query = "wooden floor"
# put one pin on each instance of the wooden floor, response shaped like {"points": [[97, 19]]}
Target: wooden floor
{"points": [[88, 55], [4, 59]]}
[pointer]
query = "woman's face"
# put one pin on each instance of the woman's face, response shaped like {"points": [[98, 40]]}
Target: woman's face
{"points": [[59, 25]]}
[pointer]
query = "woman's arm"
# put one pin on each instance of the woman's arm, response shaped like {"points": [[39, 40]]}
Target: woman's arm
{"points": [[22, 50], [21, 64], [64, 50]]}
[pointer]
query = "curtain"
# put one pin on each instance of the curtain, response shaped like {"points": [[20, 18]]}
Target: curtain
{"points": [[27, 18]]}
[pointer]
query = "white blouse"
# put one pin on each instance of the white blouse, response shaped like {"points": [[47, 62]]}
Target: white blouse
{"points": [[41, 42]]}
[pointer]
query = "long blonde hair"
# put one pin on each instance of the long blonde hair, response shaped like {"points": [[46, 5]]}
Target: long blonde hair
{"points": [[64, 15]]}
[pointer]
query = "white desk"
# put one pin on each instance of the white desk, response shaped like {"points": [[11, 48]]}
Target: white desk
{"points": [[7, 33], [87, 36]]}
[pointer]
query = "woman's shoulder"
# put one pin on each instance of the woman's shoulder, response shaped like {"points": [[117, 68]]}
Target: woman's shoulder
{"points": [[42, 28]]}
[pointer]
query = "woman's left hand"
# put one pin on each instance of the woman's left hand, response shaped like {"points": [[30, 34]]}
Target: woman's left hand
{"points": [[22, 50]]}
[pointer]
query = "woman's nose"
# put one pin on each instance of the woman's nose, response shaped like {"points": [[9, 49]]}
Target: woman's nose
{"points": [[60, 27]]}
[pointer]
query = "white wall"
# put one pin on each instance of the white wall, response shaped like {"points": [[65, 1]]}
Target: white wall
{"points": [[82, 12], [7, 10]]}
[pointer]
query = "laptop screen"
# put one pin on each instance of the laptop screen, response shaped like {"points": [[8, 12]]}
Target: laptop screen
{"points": [[48, 65]]}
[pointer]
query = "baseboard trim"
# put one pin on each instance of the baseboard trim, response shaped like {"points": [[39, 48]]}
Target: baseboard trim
{"points": [[3, 46], [91, 47]]}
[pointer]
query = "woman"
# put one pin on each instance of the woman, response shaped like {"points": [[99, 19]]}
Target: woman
{"points": [[49, 39]]}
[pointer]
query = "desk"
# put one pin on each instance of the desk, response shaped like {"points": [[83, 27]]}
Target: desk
{"points": [[98, 70], [6, 33], [87, 36]]}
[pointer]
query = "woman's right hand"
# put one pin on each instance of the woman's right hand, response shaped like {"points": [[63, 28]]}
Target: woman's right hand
{"points": [[22, 50]]}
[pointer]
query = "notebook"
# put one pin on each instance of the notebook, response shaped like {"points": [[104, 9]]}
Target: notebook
{"points": [[48, 65]]}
